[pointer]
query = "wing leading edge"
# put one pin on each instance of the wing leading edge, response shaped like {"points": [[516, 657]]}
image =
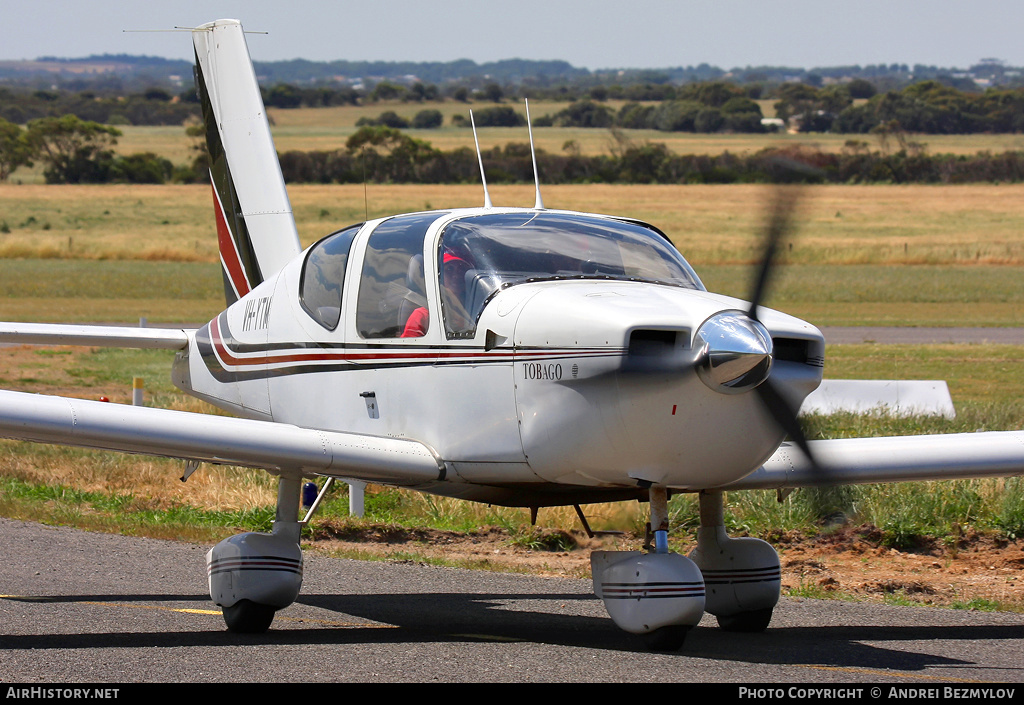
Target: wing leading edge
{"points": [[96, 336], [217, 439], [849, 461]]}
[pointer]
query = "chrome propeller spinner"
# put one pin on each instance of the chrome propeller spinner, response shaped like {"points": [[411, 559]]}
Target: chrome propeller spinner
{"points": [[734, 352]]}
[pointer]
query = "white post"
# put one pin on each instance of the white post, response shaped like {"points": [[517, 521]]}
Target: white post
{"points": [[355, 498], [137, 389]]}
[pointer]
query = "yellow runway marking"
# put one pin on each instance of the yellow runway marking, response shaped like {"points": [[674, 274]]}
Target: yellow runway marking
{"points": [[190, 610]]}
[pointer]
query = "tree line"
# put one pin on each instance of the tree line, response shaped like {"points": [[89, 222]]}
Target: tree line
{"points": [[77, 151], [384, 155], [154, 106], [80, 151], [122, 72]]}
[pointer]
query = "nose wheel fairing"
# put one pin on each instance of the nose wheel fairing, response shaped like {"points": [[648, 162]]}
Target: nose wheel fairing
{"points": [[252, 575], [661, 595]]}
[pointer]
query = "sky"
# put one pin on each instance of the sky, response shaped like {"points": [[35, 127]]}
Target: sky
{"points": [[594, 34]]}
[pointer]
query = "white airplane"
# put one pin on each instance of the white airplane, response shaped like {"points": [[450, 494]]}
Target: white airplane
{"points": [[521, 357]]}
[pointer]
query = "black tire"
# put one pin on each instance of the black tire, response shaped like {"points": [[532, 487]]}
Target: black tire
{"points": [[746, 622], [248, 617], [669, 638]]}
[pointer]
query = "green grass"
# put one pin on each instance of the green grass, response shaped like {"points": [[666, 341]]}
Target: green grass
{"points": [[869, 284], [124, 513], [885, 295], [74, 290], [812, 590], [985, 381], [68, 278], [86, 291], [979, 604]]}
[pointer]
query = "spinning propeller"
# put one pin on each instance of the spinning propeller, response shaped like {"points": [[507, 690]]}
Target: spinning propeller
{"points": [[732, 350], [779, 224]]}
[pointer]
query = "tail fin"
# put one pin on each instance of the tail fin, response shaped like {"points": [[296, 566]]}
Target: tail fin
{"points": [[255, 227]]}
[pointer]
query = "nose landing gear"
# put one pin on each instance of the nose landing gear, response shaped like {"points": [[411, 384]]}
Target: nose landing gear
{"points": [[661, 595], [742, 575]]}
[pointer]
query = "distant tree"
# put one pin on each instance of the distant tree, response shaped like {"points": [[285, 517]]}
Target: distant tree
{"points": [[834, 99], [392, 119], [584, 113], [740, 104], [676, 115], [492, 93], [157, 94], [498, 116], [74, 150], [714, 94], [283, 95], [14, 149], [200, 167], [427, 119], [634, 116], [386, 90], [708, 120], [796, 99], [390, 155], [859, 88], [741, 114], [142, 168], [419, 92]]}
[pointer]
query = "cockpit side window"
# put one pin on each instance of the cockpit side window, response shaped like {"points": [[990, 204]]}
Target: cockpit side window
{"points": [[392, 298], [323, 277]]}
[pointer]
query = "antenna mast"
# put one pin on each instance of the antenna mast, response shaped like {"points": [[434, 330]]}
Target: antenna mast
{"points": [[538, 204], [487, 196]]}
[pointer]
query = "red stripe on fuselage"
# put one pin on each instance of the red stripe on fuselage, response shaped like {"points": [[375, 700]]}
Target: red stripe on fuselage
{"points": [[229, 258], [229, 358]]}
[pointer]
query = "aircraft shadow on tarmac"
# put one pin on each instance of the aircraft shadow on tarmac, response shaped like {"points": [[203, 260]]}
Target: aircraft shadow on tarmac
{"points": [[433, 617]]}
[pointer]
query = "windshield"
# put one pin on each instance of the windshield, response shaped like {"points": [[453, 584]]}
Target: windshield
{"points": [[481, 254]]}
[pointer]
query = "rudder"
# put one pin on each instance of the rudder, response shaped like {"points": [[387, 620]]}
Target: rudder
{"points": [[255, 227]]}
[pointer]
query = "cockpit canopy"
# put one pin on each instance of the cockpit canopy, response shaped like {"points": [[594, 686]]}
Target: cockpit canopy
{"points": [[478, 255], [504, 249]]}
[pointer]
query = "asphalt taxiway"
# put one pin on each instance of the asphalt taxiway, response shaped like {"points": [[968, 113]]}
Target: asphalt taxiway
{"points": [[82, 607]]}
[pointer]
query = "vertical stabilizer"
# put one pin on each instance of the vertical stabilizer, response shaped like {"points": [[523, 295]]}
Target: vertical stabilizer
{"points": [[255, 227]]}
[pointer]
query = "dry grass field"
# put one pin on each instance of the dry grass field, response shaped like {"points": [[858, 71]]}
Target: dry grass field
{"points": [[909, 255], [912, 224]]}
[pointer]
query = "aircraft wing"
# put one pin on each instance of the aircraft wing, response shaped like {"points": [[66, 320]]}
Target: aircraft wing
{"points": [[98, 336], [215, 439], [850, 461]]}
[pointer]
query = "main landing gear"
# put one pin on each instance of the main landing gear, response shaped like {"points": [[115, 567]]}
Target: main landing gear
{"points": [[660, 595], [254, 575]]}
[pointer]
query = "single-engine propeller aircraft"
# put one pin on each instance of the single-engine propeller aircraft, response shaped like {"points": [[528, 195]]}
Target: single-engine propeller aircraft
{"points": [[523, 357]]}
